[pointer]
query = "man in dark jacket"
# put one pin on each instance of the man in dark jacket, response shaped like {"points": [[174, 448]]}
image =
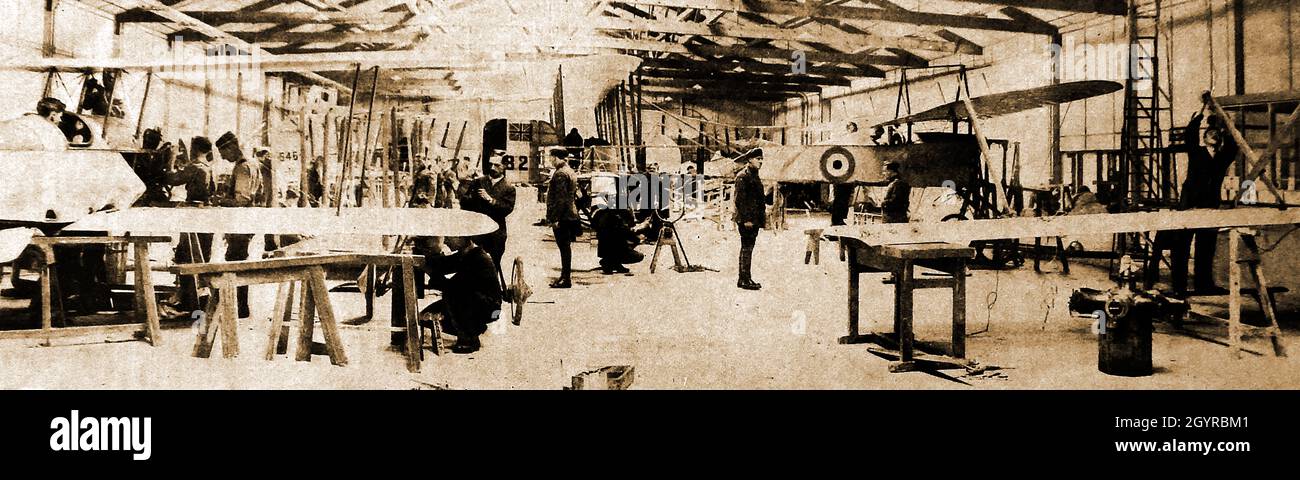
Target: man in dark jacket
{"points": [[200, 186], [495, 197], [152, 168], [897, 195], [1207, 165], [751, 213], [471, 297], [562, 213]]}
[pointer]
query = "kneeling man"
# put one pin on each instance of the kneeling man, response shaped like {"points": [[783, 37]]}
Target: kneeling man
{"points": [[471, 294]]}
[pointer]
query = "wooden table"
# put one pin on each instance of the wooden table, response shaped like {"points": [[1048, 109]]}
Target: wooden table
{"points": [[308, 272], [146, 308], [901, 260]]}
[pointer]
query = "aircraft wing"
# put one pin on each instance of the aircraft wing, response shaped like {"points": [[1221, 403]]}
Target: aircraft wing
{"points": [[62, 187], [431, 222], [1067, 225], [1013, 102]]}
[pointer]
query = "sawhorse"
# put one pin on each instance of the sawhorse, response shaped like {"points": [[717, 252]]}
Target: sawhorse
{"points": [[146, 307], [306, 274]]}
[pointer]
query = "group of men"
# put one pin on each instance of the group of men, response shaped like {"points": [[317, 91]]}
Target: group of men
{"points": [[247, 186], [466, 270]]}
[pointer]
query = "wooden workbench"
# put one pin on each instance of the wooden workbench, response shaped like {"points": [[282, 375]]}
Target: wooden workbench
{"points": [[309, 273], [901, 260], [146, 308]]}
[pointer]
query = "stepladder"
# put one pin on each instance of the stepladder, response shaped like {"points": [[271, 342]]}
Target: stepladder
{"points": [[1244, 251]]}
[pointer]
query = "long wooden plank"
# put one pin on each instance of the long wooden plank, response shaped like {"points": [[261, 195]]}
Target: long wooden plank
{"points": [[1030, 227], [429, 222], [99, 240], [273, 264], [62, 332]]}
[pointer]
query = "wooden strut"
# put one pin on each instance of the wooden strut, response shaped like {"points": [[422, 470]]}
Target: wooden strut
{"points": [[1001, 201], [345, 149], [365, 150]]}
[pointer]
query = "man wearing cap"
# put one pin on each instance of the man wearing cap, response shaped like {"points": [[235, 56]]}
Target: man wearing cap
{"points": [[750, 214], [897, 195], [562, 213], [199, 184], [245, 185]]}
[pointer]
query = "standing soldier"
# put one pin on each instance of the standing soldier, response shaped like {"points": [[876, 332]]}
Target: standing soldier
{"points": [[751, 213], [245, 187], [562, 213], [897, 196], [193, 247]]}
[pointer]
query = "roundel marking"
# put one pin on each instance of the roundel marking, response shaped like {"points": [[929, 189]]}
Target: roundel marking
{"points": [[838, 164]]}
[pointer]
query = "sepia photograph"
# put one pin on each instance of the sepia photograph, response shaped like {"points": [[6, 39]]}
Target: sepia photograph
{"points": [[973, 197]]}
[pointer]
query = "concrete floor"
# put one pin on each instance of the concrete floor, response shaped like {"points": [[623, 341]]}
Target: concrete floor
{"points": [[682, 331]]}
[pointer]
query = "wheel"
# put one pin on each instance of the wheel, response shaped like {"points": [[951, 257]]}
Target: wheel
{"points": [[517, 292]]}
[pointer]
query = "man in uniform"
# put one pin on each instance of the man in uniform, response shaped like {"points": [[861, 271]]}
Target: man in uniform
{"points": [[200, 185], [244, 189], [897, 195], [1207, 165], [562, 213], [751, 213]]}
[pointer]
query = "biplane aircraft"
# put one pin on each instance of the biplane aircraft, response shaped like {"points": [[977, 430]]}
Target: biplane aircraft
{"points": [[937, 157]]}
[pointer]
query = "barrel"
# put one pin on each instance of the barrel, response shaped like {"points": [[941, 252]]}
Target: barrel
{"points": [[1124, 348]]}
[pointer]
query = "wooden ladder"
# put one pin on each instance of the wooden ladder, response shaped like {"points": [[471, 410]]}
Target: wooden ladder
{"points": [[1237, 238]]}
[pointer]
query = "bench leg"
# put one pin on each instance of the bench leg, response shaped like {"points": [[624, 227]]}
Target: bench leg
{"points": [[904, 289], [229, 323], [329, 327], [283, 302], [306, 323], [959, 312]]}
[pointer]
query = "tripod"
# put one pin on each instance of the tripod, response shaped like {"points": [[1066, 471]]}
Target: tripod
{"points": [[681, 263]]}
